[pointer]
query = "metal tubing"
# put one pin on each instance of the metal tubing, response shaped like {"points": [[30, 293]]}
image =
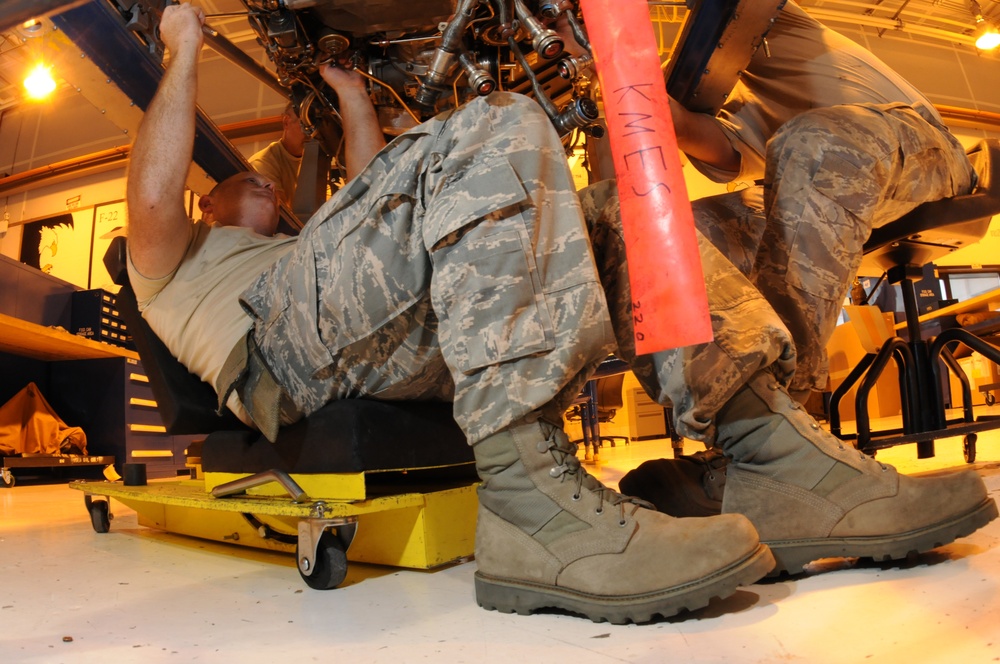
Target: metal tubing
{"points": [[879, 363], [258, 479], [956, 368], [842, 390], [231, 52]]}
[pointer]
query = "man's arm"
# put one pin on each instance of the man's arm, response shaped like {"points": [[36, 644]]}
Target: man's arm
{"points": [[362, 131], [158, 226], [698, 135], [701, 136]]}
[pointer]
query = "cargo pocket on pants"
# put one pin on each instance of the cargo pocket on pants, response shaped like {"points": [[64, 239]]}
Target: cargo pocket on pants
{"points": [[490, 303], [486, 288], [285, 325]]}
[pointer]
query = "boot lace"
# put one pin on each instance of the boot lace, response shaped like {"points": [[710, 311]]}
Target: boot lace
{"points": [[841, 448], [845, 449], [569, 468]]}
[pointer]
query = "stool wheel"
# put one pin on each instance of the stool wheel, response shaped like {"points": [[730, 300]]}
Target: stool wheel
{"points": [[969, 447]]}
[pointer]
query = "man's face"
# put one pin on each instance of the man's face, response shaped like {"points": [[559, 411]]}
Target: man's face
{"points": [[293, 133], [246, 200]]}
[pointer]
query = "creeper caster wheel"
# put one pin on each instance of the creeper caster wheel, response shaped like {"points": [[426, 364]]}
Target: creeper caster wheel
{"points": [[329, 565], [100, 514]]}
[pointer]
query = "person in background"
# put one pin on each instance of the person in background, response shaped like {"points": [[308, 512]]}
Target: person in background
{"points": [[280, 161]]}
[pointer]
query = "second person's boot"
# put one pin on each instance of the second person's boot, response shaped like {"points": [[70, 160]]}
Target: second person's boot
{"points": [[811, 496]]}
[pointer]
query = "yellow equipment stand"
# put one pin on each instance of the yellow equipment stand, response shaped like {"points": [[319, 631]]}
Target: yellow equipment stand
{"points": [[419, 529]]}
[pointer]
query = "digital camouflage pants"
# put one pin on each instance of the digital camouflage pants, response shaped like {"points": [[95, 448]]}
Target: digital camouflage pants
{"points": [[455, 267], [833, 174]]}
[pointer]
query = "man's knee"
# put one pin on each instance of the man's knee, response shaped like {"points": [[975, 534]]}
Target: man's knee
{"points": [[502, 105]]}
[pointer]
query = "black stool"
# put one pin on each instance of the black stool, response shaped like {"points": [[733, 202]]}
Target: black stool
{"points": [[901, 249], [599, 400]]}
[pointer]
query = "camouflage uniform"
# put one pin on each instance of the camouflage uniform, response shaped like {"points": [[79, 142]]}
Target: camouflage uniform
{"points": [[832, 175], [456, 266], [748, 334], [843, 144]]}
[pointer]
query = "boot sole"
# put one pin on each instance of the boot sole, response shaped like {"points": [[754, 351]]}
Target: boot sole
{"points": [[792, 555], [523, 597]]}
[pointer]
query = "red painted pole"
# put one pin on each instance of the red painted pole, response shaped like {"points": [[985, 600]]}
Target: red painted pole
{"points": [[669, 304]]}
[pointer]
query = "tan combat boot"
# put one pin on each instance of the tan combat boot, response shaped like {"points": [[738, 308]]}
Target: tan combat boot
{"points": [[551, 536], [812, 496]]}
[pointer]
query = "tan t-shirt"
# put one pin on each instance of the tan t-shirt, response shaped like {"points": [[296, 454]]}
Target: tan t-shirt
{"points": [[195, 310], [810, 66], [280, 165]]}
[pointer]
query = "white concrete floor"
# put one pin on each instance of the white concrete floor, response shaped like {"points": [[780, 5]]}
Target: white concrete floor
{"points": [[68, 594]]}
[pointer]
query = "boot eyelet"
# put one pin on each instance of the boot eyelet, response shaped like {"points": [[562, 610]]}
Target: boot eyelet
{"points": [[575, 497], [814, 426], [599, 511], [621, 524]]}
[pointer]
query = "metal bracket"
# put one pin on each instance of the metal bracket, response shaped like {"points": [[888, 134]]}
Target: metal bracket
{"points": [[310, 531], [88, 500], [717, 41], [266, 532]]}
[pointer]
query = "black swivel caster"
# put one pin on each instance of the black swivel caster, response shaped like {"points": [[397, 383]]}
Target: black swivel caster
{"points": [[329, 565]]}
